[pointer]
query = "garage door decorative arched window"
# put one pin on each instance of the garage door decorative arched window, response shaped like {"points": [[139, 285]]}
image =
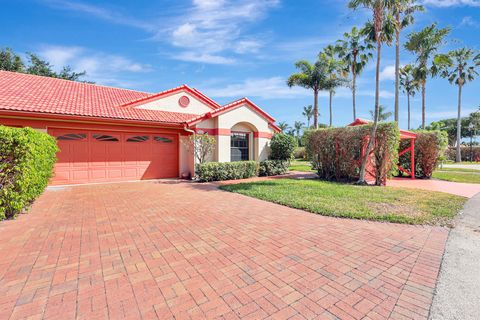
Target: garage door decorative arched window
{"points": [[104, 137], [138, 139], [162, 139], [72, 136]]}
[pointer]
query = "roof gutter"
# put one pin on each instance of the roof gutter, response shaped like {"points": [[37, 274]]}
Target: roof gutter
{"points": [[46, 116]]}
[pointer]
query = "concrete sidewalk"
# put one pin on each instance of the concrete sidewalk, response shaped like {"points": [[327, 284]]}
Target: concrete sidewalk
{"points": [[458, 289], [460, 189]]}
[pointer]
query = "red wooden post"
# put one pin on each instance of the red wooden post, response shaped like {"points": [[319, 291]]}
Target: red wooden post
{"points": [[412, 158]]}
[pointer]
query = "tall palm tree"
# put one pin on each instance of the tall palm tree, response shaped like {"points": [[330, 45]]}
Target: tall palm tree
{"points": [[308, 113], [298, 126], [403, 11], [336, 72], [311, 76], [409, 85], [283, 126], [355, 52], [383, 114], [380, 14], [424, 44], [459, 67]]}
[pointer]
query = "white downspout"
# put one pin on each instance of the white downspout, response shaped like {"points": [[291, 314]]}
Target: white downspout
{"points": [[185, 127]]}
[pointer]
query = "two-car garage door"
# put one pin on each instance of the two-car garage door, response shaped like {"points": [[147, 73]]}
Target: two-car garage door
{"points": [[97, 156]]}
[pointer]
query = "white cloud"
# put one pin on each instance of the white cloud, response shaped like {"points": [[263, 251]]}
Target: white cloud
{"points": [[100, 67], [385, 94], [388, 73], [442, 114], [203, 29], [99, 12], [247, 46], [60, 56], [265, 88], [269, 88], [469, 22], [203, 58], [451, 3], [216, 29]]}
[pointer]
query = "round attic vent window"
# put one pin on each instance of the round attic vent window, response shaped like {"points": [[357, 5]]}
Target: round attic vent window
{"points": [[184, 101]]}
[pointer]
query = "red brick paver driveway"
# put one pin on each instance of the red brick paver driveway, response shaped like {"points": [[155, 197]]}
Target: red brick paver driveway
{"points": [[183, 250]]}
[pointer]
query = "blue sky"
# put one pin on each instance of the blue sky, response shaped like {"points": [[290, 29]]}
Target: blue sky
{"points": [[228, 49]]}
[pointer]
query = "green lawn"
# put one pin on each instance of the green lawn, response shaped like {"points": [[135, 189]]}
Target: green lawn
{"points": [[301, 165], [458, 176], [359, 202]]}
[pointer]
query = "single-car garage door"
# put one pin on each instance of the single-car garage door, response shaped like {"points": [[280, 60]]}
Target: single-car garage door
{"points": [[97, 156]]}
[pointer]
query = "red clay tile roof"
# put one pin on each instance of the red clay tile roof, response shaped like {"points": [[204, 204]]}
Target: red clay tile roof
{"points": [[23, 92]]}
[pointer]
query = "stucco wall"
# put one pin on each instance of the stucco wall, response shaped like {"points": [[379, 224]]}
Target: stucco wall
{"points": [[242, 114], [186, 165], [246, 120], [170, 103]]}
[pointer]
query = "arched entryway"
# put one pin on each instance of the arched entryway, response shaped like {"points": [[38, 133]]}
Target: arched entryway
{"points": [[242, 142]]}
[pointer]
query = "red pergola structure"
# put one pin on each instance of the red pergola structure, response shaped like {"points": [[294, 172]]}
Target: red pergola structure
{"points": [[404, 134]]}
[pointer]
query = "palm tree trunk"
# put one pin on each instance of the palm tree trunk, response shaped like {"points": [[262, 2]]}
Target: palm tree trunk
{"points": [[408, 101], [397, 66], [458, 157], [423, 105], [315, 108], [331, 94], [371, 139], [354, 84]]}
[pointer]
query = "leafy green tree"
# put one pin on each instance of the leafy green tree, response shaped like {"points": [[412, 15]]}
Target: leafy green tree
{"points": [[379, 12], [283, 126], [424, 44], [290, 131], [354, 50], [383, 114], [459, 67], [10, 61], [313, 77], [409, 85], [298, 126], [202, 146], [403, 11], [474, 119], [308, 113], [336, 72], [68, 74], [450, 127], [39, 67]]}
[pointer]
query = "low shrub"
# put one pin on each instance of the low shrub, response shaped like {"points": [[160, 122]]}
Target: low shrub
{"points": [[282, 147], [336, 153], [218, 171], [273, 167], [430, 147], [27, 158], [300, 153]]}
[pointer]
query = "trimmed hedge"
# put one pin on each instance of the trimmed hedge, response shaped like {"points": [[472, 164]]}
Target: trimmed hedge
{"points": [[273, 167], [218, 171], [430, 147], [336, 152], [26, 164], [466, 152], [300, 153], [282, 147]]}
